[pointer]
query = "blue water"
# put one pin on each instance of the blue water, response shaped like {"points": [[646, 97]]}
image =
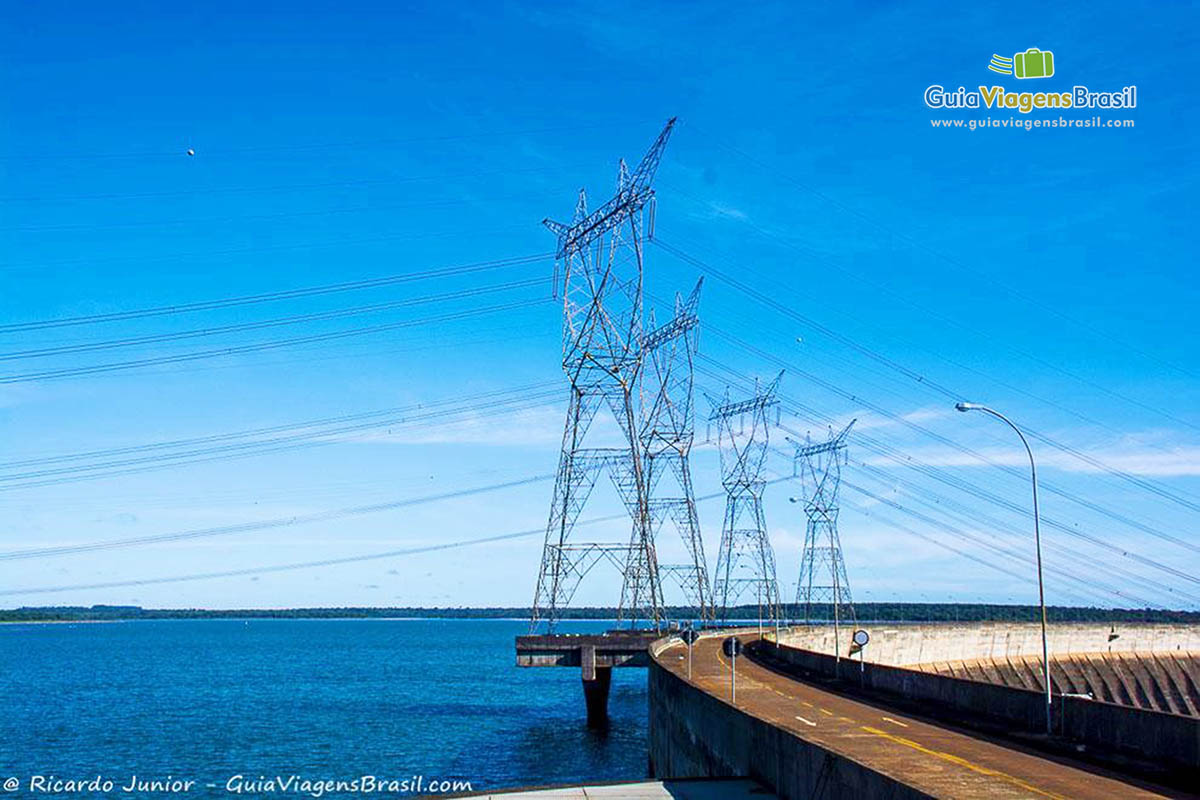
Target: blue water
{"points": [[328, 699]]}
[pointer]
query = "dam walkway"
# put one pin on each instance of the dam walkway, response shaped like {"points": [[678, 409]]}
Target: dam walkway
{"points": [[929, 758]]}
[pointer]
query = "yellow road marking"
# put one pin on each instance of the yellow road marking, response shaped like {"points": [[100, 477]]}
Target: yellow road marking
{"points": [[962, 762], [826, 713]]}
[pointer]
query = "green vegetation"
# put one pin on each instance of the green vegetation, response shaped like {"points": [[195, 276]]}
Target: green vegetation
{"points": [[897, 612]]}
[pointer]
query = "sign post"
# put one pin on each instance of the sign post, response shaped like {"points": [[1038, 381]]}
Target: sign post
{"points": [[689, 637], [732, 647], [860, 640]]}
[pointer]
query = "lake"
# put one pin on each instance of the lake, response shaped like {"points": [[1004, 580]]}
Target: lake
{"points": [[207, 700]]}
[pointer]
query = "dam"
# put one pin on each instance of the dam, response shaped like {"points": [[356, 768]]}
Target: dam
{"points": [[922, 710], [935, 711], [1153, 667]]}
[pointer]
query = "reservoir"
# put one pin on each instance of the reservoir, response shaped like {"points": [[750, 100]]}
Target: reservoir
{"points": [[207, 700]]}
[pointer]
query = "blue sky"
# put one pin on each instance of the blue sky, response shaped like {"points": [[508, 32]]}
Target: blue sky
{"points": [[1044, 272]]}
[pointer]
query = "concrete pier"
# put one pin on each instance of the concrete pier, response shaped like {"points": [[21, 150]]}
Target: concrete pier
{"points": [[596, 655], [596, 683]]}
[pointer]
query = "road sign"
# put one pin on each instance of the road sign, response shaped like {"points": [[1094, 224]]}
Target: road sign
{"points": [[732, 648], [689, 636], [861, 638]]}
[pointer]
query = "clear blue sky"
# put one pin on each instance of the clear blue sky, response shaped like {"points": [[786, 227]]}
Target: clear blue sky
{"points": [[349, 141]]}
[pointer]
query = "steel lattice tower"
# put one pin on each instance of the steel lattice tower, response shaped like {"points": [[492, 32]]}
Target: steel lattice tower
{"points": [[667, 438], [822, 570], [745, 561], [600, 260]]}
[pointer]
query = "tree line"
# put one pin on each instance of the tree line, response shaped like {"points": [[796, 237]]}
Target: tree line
{"points": [[864, 612]]}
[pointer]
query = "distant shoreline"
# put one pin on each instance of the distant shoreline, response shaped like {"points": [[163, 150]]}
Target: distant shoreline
{"points": [[60, 621], [874, 612]]}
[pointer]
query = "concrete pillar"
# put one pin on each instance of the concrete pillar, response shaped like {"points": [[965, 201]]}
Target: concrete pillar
{"points": [[596, 682]]}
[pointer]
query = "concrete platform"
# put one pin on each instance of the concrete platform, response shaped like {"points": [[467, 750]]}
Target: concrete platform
{"points": [[595, 654], [778, 719], [619, 648], [734, 789]]}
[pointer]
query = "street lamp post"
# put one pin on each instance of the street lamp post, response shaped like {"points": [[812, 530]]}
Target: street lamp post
{"points": [[1037, 539]]}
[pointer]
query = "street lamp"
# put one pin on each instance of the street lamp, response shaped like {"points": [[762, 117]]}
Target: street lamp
{"points": [[1037, 539]]}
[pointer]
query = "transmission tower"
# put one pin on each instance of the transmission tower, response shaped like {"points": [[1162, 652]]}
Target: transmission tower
{"points": [[667, 435], [822, 570], [599, 258], [745, 562]]}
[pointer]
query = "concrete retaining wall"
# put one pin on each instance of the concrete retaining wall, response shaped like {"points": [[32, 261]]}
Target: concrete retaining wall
{"points": [[1160, 737], [902, 645], [696, 735]]}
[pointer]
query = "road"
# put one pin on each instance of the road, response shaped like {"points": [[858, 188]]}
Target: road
{"points": [[938, 760]]}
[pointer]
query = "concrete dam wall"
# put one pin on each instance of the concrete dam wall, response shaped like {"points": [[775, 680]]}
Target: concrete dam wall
{"points": [[991, 673], [1152, 667], [1168, 682], [694, 734], [908, 645], [774, 715]]}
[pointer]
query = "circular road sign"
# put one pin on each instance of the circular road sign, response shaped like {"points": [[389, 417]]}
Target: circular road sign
{"points": [[861, 638], [732, 646]]}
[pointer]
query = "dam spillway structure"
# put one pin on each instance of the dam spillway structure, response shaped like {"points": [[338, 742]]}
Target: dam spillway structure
{"points": [[934, 710]]}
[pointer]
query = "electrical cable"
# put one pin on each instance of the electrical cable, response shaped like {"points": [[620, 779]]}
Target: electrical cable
{"points": [[286, 294]]}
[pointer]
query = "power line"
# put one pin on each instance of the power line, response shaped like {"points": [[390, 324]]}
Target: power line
{"points": [[991, 498], [286, 294], [964, 514], [234, 573], [259, 217], [954, 262], [322, 563], [983, 494], [344, 242], [53, 477], [296, 319], [976, 517], [481, 397], [911, 374], [272, 524], [996, 499], [1049, 487], [980, 541], [253, 348], [1140, 482]]}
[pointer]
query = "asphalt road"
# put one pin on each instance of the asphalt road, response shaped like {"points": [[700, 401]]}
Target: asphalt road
{"points": [[935, 759]]}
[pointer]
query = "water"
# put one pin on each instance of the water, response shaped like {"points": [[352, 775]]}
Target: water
{"points": [[326, 699]]}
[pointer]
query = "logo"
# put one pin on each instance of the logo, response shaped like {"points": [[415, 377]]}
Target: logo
{"points": [[1033, 63]]}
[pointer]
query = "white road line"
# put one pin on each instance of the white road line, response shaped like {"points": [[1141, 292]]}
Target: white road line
{"points": [[806, 722], [895, 722]]}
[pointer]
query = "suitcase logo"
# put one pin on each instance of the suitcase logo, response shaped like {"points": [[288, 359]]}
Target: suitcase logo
{"points": [[1033, 63]]}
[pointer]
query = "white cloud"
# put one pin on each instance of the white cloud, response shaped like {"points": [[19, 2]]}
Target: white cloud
{"points": [[722, 210], [537, 426], [1180, 461], [16, 395]]}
